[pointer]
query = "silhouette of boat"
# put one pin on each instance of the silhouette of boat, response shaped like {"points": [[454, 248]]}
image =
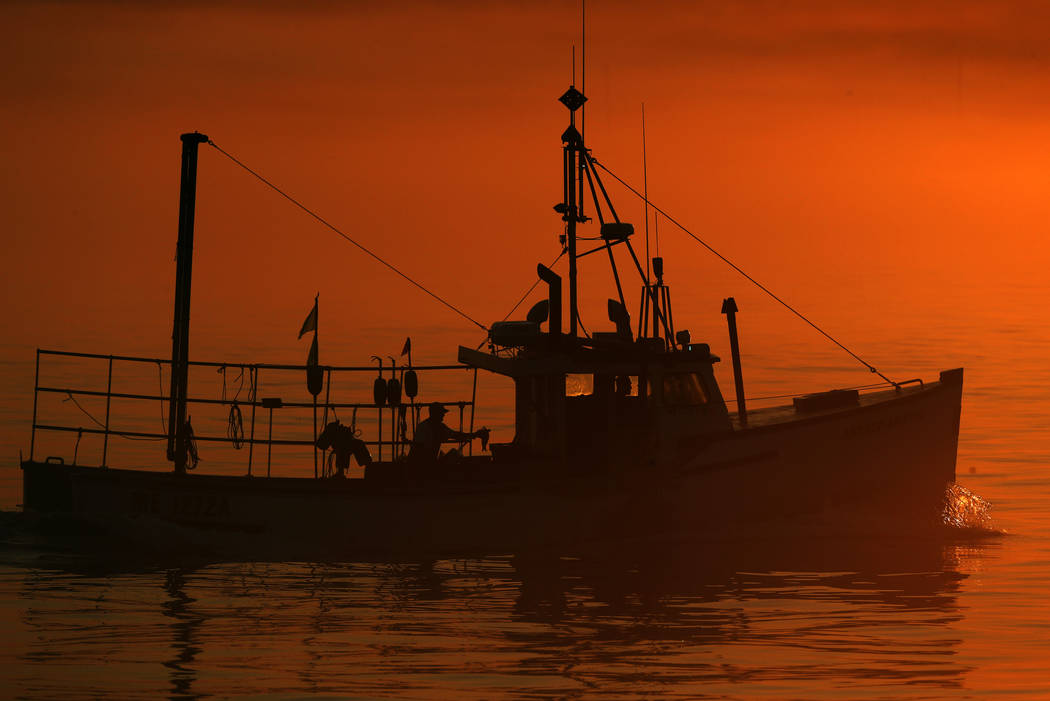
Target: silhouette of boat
{"points": [[619, 432]]}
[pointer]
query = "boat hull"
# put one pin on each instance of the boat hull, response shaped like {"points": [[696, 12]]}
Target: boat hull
{"points": [[895, 457]]}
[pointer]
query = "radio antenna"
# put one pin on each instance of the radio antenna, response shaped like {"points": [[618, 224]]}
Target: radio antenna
{"points": [[645, 196], [656, 226], [583, 68]]}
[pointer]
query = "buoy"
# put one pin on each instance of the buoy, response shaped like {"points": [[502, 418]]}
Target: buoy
{"points": [[393, 391], [379, 391], [314, 379], [411, 384]]}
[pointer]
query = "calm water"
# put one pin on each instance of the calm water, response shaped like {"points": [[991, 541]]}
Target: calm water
{"points": [[961, 614]]}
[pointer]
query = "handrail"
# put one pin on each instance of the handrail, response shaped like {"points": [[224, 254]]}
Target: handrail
{"points": [[395, 441], [227, 402], [209, 439], [262, 366]]}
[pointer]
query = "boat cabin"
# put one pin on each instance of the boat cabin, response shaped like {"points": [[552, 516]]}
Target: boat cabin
{"points": [[601, 399]]}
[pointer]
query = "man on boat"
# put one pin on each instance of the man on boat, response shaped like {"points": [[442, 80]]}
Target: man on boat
{"points": [[432, 432]]}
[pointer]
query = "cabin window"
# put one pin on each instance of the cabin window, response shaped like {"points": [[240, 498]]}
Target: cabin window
{"points": [[579, 384], [587, 385], [627, 385], [684, 389]]}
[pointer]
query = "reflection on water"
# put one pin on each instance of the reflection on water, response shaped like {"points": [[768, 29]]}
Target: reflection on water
{"points": [[184, 628], [668, 619]]}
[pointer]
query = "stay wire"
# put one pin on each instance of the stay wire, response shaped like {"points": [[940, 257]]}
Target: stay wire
{"points": [[527, 293], [71, 398], [334, 228], [755, 282], [731, 400]]}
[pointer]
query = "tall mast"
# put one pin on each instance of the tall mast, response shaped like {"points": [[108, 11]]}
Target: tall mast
{"points": [[180, 336], [571, 207]]}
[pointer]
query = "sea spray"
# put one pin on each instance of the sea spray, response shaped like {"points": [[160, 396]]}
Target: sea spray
{"points": [[964, 509]]}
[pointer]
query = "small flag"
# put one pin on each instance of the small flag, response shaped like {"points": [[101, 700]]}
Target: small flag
{"points": [[312, 358], [408, 346], [311, 321]]}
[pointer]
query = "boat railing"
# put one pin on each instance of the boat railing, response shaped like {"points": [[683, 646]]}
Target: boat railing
{"points": [[871, 387], [383, 427]]}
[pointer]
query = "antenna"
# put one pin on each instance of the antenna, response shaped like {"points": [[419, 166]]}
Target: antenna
{"points": [[645, 196], [573, 82], [656, 224], [583, 67]]}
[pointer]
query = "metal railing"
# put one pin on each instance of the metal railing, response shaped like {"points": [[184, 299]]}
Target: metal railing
{"points": [[401, 414]]}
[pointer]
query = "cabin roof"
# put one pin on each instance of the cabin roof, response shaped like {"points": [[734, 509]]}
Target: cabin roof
{"points": [[628, 361]]}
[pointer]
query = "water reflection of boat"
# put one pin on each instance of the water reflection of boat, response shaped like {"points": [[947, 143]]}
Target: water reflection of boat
{"points": [[616, 432], [683, 614]]}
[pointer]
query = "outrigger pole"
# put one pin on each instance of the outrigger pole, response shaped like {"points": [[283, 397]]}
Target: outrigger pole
{"points": [[178, 439]]}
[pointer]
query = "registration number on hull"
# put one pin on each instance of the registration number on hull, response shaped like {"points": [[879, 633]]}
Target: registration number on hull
{"points": [[191, 506]]}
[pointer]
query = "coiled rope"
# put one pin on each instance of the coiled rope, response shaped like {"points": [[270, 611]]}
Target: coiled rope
{"points": [[735, 267], [336, 229], [235, 422]]}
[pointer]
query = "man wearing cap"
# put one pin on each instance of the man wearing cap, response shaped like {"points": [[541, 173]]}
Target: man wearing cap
{"points": [[432, 432]]}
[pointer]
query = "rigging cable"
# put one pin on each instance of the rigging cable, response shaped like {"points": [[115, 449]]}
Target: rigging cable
{"points": [[331, 226], [71, 398], [529, 291], [759, 285], [526, 295]]}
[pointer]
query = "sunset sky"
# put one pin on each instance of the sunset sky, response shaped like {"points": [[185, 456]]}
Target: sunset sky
{"points": [[813, 143], [883, 166]]}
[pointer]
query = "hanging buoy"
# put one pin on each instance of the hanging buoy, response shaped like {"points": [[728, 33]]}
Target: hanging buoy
{"points": [[411, 384], [379, 386], [314, 379], [393, 391], [379, 391]]}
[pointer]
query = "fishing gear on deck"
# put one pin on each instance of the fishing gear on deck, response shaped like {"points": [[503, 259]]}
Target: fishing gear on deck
{"points": [[379, 388], [402, 423], [191, 446], [393, 391], [235, 421], [344, 443], [235, 426]]}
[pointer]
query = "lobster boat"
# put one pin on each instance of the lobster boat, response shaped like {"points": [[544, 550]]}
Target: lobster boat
{"points": [[616, 433]]}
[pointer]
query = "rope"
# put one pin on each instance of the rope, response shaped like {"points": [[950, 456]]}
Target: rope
{"points": [[325, 222], [71, 398], [235, 426], [755, 282], [235, 421], [525, 296], [731, 400], [191, 447], [529, 291]]}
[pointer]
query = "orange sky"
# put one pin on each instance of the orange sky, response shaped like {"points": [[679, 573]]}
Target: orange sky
{"points": [[810, 142], [817, 144]]}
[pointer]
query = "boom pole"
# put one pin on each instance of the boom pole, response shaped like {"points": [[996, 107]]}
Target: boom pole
{"points": [[178, 440]]}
